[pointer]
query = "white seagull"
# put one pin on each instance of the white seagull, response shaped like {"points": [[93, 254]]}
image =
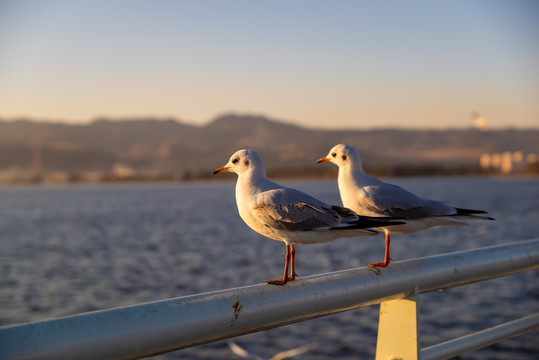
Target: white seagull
{"points": [[369, 196], [289, 215]]}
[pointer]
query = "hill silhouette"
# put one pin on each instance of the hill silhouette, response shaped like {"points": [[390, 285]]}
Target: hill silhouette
{"points": [[156, 146]]}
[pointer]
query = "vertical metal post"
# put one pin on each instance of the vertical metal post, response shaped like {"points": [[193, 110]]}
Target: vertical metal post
{"points": [[398, 329]]}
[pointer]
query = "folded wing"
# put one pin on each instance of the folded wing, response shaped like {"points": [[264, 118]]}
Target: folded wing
{"points": [[296, 216]]}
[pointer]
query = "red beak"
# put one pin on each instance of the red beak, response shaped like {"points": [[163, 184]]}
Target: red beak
{"points": [[321, 160], [220, 170]]}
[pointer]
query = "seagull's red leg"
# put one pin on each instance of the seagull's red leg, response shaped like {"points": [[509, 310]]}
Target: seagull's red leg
{"points": [[285, 277], [292, 263], [387, 259]]}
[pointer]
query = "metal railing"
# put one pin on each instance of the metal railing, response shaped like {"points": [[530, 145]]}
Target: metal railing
{"points": [[147, 329]]}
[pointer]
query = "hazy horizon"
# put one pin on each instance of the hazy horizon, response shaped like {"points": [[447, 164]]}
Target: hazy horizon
{"points": [[317, 64], [469, 125]]}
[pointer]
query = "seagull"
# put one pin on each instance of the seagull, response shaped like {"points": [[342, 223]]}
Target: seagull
{"points": [[289, 215], [240, 351], [369, 196]]}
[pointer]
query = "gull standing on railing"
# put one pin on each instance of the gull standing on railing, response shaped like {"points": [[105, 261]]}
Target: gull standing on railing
{"points": [[289, 215], [369, 196]]}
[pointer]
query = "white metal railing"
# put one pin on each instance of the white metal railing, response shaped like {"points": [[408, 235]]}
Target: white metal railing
{"points": [[147, 329], [481, 339]]}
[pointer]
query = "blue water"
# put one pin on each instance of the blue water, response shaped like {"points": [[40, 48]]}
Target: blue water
{"points": [[71, 249]]}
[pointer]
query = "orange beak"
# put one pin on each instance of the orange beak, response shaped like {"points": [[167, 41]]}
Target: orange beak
{"points": [[324, 159], [220, 170]]}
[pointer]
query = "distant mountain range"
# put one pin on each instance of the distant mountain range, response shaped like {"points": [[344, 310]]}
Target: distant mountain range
{"points": [[152, 146]]}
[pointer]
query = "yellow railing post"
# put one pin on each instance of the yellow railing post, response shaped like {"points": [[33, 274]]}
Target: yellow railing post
{"points": [[398, 329]]}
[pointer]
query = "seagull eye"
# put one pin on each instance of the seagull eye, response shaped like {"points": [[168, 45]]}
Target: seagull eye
{"points": [[334, 154], [235, 161], [344, 157]]}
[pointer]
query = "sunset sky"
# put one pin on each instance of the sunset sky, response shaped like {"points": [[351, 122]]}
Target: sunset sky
{"points": [[329, 64]]}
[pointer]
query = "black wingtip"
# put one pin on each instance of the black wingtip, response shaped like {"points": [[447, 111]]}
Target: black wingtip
{"points": [[373, 222], [470, 213], [385, 223], [486, 218], [461, 211], [381, 218]]}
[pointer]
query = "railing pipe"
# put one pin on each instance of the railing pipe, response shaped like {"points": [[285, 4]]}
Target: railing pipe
{"points": [[142, 330], [480, 339]]}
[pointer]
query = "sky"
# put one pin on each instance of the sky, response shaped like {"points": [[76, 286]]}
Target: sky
{"points": [[321, 64]]}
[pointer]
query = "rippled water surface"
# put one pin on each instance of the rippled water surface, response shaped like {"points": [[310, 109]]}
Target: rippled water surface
{"points": [[66, 250]]}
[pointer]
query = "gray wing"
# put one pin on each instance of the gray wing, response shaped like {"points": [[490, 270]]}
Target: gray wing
{"points": [[296, 216], [392, 200]]}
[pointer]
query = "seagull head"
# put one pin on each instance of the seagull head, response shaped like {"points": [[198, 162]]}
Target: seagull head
{"points": [[244, 161], [342, 155]]}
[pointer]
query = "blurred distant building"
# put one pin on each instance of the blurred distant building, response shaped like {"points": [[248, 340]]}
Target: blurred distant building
{"points": [[92, 176], [485, 161], [507, 162], [56, 177], [122, 171]]}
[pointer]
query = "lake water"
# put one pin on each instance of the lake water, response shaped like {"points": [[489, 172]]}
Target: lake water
{"points": [[71, 249]]}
